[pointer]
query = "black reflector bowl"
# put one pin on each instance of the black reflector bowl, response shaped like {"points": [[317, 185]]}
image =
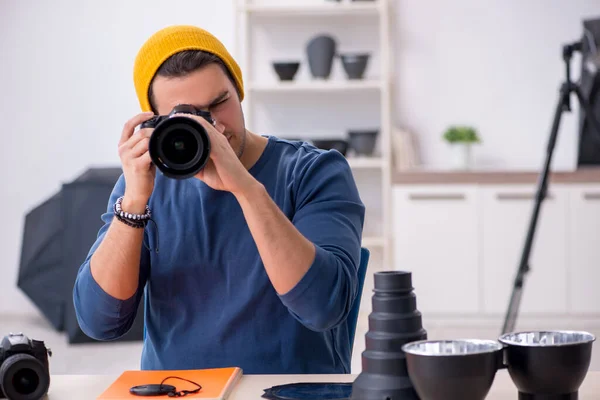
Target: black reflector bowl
{"points": [[548, 365], [462, 369]]}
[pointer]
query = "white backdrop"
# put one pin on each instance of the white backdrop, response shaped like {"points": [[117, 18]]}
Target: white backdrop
{"points": [[496, 65], [66, 90]]}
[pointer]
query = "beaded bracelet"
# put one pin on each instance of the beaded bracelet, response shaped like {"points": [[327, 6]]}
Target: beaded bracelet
{"points": [[136, 224], [135, 220], [130, 219]]}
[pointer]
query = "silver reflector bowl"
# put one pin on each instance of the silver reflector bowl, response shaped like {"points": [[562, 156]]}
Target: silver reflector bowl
{"points": [[452, 347], [547, 338]]}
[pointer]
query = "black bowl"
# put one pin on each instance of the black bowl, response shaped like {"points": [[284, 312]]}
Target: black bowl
{"points": [[548, 365], [453, 369], [355, 65], [363, 141], [286, 70], [332, 144]]}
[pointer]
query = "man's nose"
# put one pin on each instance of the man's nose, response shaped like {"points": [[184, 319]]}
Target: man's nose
{"points": [[219, 127]]}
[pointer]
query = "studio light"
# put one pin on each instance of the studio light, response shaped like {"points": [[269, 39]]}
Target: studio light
{"points": [[587, 92]]}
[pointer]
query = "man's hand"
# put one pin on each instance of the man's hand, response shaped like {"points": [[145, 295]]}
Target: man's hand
{"points": [[138, 169], [224, 170]]}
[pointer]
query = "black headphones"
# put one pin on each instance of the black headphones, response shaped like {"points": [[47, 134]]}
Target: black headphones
{"points": [[162, 389]]}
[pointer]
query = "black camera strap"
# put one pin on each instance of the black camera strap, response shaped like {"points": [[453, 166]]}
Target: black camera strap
{"points": [[162, 389]]}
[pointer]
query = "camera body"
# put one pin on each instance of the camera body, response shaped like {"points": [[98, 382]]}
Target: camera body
{"points": [[179, 146], [24, 368]]}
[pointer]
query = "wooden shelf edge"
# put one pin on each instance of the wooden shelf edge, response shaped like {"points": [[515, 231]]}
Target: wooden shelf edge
{"points": [[365, 162], [582, 175]]}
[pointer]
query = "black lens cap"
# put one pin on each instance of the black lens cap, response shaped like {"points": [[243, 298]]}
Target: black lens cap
{"points": [[152, 390]]}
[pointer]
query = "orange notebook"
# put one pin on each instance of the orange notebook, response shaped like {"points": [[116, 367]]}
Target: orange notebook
{"points": [[216, 383]]}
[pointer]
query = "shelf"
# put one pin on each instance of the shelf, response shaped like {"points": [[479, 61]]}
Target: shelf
{"points": [[315, 86], [365, 162], [267, 96], [325, 9], [373, 241]]}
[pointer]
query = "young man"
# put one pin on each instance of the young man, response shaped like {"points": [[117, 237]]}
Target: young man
{"points": [[257, 256]]}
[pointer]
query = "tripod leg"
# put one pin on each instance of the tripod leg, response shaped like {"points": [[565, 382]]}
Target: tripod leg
{"points": [[542, 187]]}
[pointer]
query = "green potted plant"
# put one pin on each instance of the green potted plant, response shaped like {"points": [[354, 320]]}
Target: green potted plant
{"points": [[461, 138]]}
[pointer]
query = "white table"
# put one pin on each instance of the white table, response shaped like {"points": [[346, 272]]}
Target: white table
{"points": [[251, 387]]}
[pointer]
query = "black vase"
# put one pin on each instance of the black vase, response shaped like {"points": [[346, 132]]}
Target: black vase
{"points": [[320, 52], [394, 322]]}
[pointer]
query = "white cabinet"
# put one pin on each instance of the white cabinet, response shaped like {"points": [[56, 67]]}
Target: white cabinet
{"points": [[506, 212], [463, 244], [436, 238], [584, 249]]}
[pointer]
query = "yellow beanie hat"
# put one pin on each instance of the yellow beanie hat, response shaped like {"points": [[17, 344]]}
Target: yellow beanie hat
{"points": [[173, 39]]}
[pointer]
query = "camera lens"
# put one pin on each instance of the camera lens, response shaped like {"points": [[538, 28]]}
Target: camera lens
{"points": [[24, 377], [179, 147], [26, 381]]}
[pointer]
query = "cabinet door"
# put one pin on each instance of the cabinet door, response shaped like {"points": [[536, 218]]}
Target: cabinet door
{"points": [[584, 249], [506, 212], [436, 238]]}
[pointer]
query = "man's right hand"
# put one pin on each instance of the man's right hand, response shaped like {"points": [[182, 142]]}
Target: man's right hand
{"points": [[138, 169]]}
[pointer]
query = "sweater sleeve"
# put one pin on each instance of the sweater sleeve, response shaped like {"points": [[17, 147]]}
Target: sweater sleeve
{"points": [[100, 315], [329, 213]]}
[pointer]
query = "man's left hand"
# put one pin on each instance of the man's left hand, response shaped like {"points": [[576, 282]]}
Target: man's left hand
{"points": [[224, 170]]}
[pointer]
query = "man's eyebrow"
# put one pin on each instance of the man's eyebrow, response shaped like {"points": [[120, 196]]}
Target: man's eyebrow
{"points": [[217, 100]]}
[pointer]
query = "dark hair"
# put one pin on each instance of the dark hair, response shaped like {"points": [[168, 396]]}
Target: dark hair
{"points": [[186, 62]]}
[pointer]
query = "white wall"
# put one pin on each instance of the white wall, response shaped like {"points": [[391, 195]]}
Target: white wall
{"points": [[65, 92], [494, 64], [66, 88]]}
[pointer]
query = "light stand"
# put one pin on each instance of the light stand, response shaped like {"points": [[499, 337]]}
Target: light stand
{"points": [[564, 105]]}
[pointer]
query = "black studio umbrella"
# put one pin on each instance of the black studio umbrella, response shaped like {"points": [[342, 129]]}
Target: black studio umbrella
{"points": [[41, 260], [57, 237]]}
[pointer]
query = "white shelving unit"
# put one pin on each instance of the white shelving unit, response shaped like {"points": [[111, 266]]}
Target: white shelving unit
{"points": [[271, 30], [303, 9], [314, 87], [366, 162]]}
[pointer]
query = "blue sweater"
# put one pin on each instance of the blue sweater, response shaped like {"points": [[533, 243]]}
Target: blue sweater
{"points": [[208, 300]]}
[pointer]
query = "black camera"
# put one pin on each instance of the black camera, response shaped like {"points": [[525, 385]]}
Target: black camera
{"points": [[24, 368], [179, 146]]}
